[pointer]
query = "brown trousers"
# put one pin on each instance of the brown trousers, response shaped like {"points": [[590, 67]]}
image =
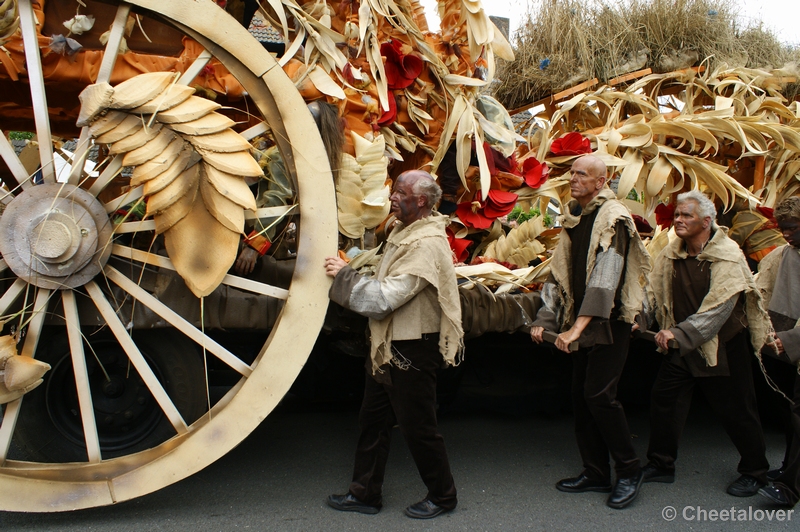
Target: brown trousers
{"points": [[732, 398], [601, 427], [409, 400]]}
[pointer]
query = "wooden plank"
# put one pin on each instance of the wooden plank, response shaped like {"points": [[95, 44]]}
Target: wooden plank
{"points": [[81, 374], [630, 76], [549, 101], [650, 336], [33, 62], [230, 280], [113, 44], [758, 173], [136, 358], [563, 95], [551, 337], [177, 321]]}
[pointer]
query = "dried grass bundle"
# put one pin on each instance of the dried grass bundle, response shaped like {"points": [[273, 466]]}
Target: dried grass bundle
{"points": [[565, 42], [554, 51]]}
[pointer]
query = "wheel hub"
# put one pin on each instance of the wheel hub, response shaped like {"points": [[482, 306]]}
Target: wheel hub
{"points": [[55, 236]]}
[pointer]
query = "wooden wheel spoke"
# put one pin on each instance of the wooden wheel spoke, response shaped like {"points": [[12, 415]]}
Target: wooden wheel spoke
{"points": [[136, 358], [11, 295], [28, 349], [110, 172], [79, 158], [269, 212], [36, 323], [135, 227], [81, 375], [256, 130], [9, 156], [174, 319], [230, 280], [194, 69], [113, 44], [36, 79], [128, 197]]}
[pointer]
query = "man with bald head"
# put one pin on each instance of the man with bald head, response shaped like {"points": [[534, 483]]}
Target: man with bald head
{"points": [[415, 326], [593, 296]]}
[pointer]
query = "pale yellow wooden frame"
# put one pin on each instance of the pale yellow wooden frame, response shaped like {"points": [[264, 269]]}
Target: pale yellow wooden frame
{"points": [[59, 487]]}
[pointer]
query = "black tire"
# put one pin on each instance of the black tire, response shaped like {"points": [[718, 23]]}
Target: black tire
{"points": [[127, 416]]}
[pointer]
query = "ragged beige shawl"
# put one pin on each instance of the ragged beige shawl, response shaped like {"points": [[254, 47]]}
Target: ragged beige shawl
{"points": [[421, 249], [729, 276], [637, 261]]}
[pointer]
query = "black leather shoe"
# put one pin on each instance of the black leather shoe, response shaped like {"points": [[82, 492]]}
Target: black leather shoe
{"points": [[625, 490], [776, 496], [348, 503], [745, 486], [652, 473], [773, 474], [425, 509], [582, 483]]}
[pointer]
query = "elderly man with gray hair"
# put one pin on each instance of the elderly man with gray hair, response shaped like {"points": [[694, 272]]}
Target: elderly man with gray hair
{"points": [[415, 328], [704, 298]]}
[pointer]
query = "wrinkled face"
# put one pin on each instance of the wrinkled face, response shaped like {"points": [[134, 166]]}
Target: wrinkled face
{"points": [[406, 205], [790, 229], [585, 181], [688, 222]]}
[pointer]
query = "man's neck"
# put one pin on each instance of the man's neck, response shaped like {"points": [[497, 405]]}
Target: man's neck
{"points": [[695, 245], [584, 202]]}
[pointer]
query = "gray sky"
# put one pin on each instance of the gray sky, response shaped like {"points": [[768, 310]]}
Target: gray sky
{"points": [[781, 16]]}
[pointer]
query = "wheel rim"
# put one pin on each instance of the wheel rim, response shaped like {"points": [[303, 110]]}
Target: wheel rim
{"points": [[35, 486]]}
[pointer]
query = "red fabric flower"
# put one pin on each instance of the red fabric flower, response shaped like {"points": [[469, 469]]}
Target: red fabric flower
{"points": [[498, 162], [458, 246], [535, 173], [401, 69], [471, 213], [571, 144], [479, 215], [388, 117], [665, 214], [499, 203]]}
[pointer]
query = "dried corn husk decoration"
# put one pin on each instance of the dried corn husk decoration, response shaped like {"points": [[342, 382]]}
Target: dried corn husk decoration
{"points": [[437, 106], [520, 246], [362, 192], [9, 19], [727, 115], [497, 276], [18, 374], [190, 163]]}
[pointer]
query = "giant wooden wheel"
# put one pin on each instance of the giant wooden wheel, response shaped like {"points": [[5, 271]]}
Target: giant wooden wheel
{"points": [[144, 368]]}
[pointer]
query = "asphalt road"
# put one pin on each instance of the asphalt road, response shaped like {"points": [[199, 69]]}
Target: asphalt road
{"points": [[506, 457]]}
